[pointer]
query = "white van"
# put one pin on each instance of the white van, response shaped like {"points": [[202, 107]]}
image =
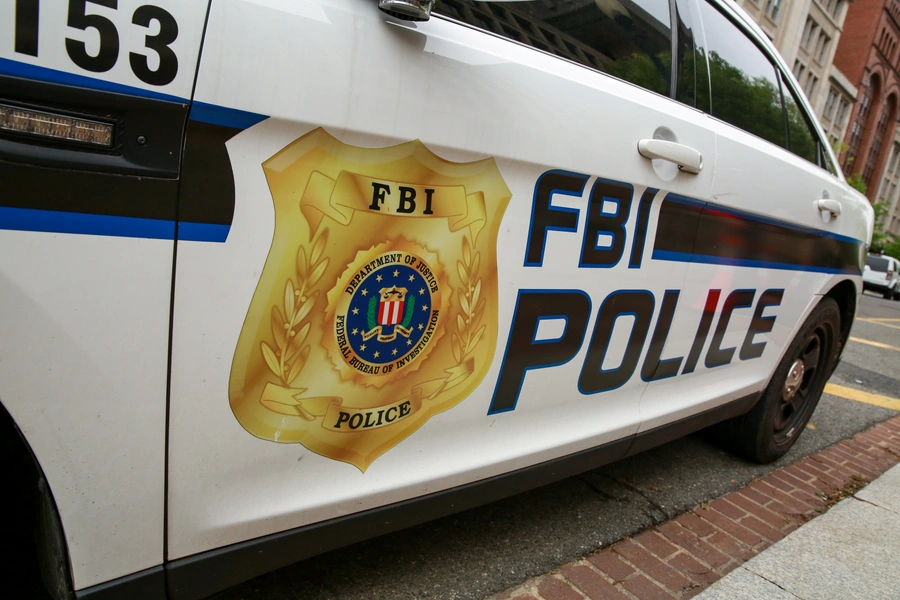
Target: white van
{"points": [[882, 274]]}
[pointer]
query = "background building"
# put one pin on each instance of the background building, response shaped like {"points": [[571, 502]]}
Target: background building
{"points": [[868, 55], [806, 33]]}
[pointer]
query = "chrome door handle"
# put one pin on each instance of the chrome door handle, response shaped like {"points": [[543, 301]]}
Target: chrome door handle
{"points": [[832, 206], [687, 159]]}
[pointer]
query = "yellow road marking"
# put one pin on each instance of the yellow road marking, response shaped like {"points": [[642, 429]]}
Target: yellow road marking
{"points": [[871, 343], [885, 319], [878, 323], [860, 396]]}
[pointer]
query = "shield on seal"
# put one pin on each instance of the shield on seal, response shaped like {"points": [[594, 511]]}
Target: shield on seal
{"points": [[391, 306], [377, 305]]}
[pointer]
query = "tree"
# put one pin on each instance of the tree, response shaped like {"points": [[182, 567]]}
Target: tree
{"points": [[881, 239], [892, 249], [857, 183]]}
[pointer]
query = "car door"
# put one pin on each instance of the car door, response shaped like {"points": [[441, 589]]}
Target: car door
{"points": [[768, 241], [399, 293], [93, 100]]}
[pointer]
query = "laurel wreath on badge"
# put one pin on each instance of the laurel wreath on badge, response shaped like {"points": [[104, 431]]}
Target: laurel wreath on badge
{"points": [[471, 303], [289, 329]]}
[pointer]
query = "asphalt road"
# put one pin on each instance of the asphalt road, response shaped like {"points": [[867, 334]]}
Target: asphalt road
{"points": [[486, 550]]}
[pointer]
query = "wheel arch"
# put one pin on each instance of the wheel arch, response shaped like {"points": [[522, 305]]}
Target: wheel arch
{"points": [[845, 293], [39, 529]]}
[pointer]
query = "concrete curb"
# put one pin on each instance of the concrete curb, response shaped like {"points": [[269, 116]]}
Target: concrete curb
{"points": [[682, 557]]}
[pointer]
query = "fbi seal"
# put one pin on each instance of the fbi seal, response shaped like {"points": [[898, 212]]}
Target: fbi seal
{"points": [[387, 312]]}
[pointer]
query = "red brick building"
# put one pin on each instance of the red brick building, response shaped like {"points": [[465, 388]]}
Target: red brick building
{"points": [[868, 54]]}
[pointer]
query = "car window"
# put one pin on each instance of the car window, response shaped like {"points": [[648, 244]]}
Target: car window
{"points": [[878, 263], [632, 41], [744, 83], [802, 140], [692, 80]]}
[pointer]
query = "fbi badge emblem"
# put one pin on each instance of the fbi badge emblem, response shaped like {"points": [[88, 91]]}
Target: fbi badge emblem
{"points": [[377, 305]]}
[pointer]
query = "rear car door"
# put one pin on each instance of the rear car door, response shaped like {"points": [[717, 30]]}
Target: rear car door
{"points": [[93, 101], [767, 241], [399, 292]]}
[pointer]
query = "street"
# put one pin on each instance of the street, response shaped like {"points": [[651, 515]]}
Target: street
{"points": [[483, 551]]}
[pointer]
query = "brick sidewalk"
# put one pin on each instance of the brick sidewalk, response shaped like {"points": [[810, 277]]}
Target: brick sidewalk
{"points": [[680, 558]]}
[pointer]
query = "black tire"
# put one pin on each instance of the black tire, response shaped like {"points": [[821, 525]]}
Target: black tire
{"points": [[897, 293], [887, 294], [769, 430]]}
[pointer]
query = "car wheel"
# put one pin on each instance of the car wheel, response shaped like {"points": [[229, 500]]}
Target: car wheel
{"points": [[769, 430], [888, 294], [897, 293]]}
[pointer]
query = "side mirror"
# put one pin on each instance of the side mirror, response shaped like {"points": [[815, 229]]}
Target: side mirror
{"points": [[408, 10]]}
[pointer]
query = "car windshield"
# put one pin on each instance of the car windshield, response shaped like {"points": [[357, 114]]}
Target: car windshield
{"points": [[877, 263]]}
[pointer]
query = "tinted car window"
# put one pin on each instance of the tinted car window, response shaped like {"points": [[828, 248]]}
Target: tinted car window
{"points": [[632, 41], [802, 140], [878, 263], [744, 83], [692, 80]]}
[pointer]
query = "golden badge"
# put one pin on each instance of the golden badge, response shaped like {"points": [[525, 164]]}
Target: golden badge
{"points": [[377, 306]]}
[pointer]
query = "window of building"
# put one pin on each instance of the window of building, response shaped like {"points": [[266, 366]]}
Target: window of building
{"points": [[633, 42], [887, 43], [853, 145], [744, 83], [809, 31], [894, 168], [832, 7], [810, 86], [773, 7], [843, 109], [830, 104], [875, 148], [864, 103], [891, 176], [821, 47], [799, 69]]}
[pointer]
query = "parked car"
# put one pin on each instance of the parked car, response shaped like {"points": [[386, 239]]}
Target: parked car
{"points": [[350, 269], [882, 274]]}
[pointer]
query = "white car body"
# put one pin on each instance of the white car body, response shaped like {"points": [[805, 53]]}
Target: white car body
{"points": [[132, 394]]}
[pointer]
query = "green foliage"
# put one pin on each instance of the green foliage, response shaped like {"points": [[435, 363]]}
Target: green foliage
{"points": [[881, 239], [857, 183], [892, 248], [408, 313], [840, 147], [370, 314]]}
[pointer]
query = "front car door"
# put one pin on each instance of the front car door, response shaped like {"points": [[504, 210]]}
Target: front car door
{"points": [[400, 292]]}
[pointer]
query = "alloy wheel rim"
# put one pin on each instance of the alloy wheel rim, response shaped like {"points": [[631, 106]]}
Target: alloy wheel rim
{"points": [[799, 385]]}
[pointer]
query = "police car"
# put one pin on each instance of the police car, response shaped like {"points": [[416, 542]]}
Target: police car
{"points": [[280, 275]]}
